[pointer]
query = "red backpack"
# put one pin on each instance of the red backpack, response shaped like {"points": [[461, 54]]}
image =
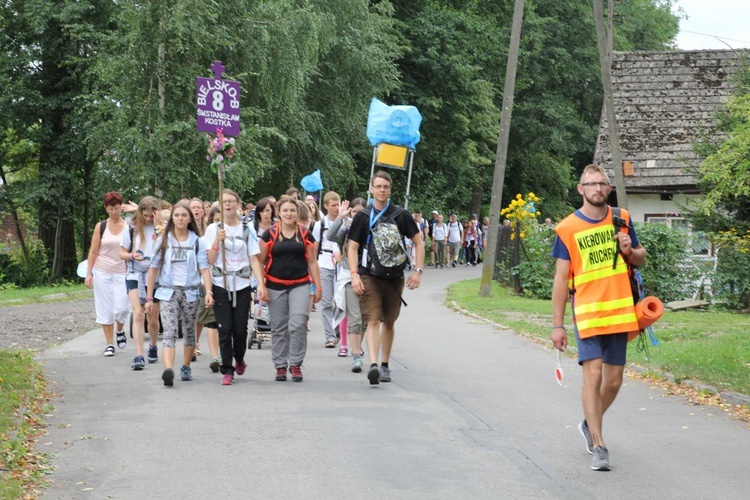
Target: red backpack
{"points": [[273, 231]]}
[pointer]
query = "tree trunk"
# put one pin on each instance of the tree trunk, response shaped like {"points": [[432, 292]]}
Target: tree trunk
{"points": [[14, 214], [64, 256], [475, 207]]}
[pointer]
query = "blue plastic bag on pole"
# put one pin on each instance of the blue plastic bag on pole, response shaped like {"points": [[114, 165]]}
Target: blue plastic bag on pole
{"points": [[397, 125], [312, 182]]}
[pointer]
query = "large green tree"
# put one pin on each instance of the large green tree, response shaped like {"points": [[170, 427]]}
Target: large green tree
{"points": [[307, 71], [725, 173], [47, 48]]}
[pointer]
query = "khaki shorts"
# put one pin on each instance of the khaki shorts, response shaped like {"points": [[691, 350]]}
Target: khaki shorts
{"points": [[381, 300], [206, 315]]}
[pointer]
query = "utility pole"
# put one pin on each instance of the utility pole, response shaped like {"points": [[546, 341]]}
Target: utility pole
{"points": [[604, 39], [498, 179]]}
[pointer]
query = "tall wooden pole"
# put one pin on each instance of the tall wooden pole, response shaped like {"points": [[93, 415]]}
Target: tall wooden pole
{"points": [[605, 60], [498, 179]]}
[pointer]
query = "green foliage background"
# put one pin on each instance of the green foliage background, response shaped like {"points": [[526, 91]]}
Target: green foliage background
{"points": [[82, 113]]}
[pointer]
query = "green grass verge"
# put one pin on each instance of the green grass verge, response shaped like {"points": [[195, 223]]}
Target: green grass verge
{"points": [[16, 296], [23, 401], [710, 346]]}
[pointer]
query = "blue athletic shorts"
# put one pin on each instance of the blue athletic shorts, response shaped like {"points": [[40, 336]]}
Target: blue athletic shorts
{"points": [[610, 348]]}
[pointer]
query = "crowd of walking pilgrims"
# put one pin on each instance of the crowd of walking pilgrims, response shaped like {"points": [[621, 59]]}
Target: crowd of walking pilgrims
{"points": [[237, 274], [229, 269]]}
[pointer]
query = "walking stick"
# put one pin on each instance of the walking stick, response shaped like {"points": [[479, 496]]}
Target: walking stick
{"points": [[221, 219]]}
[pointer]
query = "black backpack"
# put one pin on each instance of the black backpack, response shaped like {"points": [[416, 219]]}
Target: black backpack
{"points": [[386, 254], [634, 275]]}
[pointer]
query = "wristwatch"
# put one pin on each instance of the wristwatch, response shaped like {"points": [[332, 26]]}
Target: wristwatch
{"points": [[419, 270]]}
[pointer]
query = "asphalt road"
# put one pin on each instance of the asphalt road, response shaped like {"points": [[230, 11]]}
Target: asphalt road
{"points": [[472, 412]]}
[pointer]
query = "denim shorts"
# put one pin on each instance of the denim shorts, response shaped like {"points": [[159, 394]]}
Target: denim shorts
{"points": [[611, 348], [133, 285]]}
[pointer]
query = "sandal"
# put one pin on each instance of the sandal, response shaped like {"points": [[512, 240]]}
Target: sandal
{"points": [[109, 351], [197, 350], [122, 340], [343, 352]]}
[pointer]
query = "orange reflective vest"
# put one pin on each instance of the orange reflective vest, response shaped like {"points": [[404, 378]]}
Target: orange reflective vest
{"points": [[601, 298]]}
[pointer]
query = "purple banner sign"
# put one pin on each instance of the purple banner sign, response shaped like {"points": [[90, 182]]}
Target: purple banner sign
{"points": [[218, 103]]}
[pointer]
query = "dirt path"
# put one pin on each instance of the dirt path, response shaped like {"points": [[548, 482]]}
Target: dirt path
{"points": [[38, 326]]}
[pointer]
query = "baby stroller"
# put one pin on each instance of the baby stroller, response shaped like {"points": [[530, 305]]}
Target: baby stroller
{"points": [[261, 329]]}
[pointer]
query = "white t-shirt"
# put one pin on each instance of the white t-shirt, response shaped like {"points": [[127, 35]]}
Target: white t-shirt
{"points": [[439, 232], [135, 268], [238, 253], [327, 247], [179, 263], [454, 232]]}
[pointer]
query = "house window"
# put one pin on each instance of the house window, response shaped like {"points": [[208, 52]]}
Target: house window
{"points": [[697, 241]]}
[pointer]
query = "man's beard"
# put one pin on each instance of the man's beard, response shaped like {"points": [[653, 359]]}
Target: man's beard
{"points": [[595, 202]]}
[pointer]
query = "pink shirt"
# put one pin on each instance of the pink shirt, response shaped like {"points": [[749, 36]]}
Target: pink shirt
{"points": [[108, 260]]}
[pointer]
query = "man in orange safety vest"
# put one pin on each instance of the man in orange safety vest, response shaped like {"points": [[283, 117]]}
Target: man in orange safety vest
{"points": [[592, 251]]}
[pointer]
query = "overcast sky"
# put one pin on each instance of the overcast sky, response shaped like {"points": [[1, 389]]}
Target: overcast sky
{"points": [[729, 20]]}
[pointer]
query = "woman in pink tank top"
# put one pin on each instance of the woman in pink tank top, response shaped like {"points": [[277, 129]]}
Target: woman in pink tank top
{"points": [[106, 273]]}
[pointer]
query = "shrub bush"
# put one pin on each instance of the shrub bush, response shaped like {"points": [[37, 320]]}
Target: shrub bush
{"points": [[537, 268], [15, 270], [669, 272], [731, 281]]}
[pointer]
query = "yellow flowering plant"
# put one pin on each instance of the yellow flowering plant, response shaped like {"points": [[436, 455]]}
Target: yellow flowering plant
{"points": [[522, 214]]}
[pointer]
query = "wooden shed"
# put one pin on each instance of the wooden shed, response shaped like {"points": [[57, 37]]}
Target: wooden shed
{"points": [[665, 102]]}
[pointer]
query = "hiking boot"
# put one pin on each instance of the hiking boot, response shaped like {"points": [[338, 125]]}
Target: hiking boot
{"points": [[153, 354], [214, 365], [373, 375], [239, 368], [228, 379], [600, 460], [109, 351], [168, 377], [281, 374], [138, 363], [186, 373], [296, 373], [357, 364], [584, 428], [122, 340], [385, 374]]}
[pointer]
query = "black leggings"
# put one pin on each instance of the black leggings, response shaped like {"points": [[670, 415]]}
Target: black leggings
{"points": [[471, 253], [232, 322]]}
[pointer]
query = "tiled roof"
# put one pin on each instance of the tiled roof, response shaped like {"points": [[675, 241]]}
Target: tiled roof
{"points": [[665, 102]]}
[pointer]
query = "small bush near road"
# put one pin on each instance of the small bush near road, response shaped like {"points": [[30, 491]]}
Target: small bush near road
{"points": [[669, 270], [711, 346]]}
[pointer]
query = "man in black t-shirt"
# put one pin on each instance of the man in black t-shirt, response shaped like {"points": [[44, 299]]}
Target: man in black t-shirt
{"points": [[380, 298]]}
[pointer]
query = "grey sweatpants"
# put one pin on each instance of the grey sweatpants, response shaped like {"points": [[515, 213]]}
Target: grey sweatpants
{"points": [[328, 280], [287, 312]]}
